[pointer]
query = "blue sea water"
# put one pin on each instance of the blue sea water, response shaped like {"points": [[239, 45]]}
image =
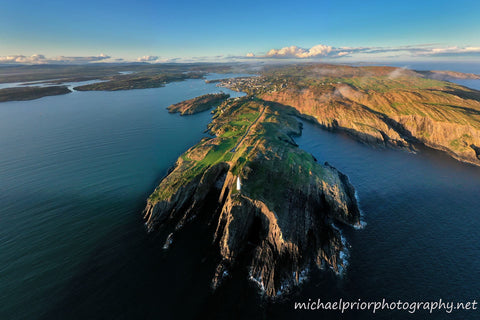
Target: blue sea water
{"points": [[75, 171], [421, 238]]}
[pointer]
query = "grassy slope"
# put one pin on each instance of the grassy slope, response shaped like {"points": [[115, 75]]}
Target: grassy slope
{"points": [[266, 155]]}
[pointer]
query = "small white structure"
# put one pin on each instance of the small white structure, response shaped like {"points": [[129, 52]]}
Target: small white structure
{"points": [[239, 185]]}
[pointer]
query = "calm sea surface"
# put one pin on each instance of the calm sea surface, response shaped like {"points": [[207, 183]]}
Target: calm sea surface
{"points": [[75, 171]]}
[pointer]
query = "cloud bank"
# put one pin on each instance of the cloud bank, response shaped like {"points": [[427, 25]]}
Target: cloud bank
{"points": [[325, 51], [317, 52], [297, 52], [157, 59], [41, 59], [148, 59]]}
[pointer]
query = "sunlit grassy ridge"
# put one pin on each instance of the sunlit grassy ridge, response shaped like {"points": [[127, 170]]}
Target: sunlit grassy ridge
{"points": [[254, 138]]}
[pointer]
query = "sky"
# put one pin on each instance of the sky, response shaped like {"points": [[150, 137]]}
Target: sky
{"points": [[158, 31]]}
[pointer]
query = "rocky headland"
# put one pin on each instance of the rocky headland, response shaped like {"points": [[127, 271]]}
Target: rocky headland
{"points": [[271, 207], [198, 104]]}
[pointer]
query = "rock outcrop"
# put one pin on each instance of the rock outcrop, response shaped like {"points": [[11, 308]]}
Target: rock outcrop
{"points": [[198, 104], [272, 207]]}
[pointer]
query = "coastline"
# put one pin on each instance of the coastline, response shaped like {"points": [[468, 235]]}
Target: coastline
{"points": [[386, 128]]}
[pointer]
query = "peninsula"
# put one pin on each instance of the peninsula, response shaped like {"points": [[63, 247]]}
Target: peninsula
{"points": [[31, 93], [138, 81], [270, 207]]}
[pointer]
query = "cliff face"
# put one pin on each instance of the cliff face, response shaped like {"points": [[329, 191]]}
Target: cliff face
{"points": [[396, 109], [272, 207], [333, 111]]}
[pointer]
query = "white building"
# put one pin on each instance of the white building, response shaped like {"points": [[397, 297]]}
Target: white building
{"points": [[239, 185]]}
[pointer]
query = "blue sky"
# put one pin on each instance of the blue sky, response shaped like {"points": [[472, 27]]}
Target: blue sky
{"points": [[203, 30]]}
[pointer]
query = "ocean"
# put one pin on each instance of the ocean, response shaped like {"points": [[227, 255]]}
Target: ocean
{"points": [[75, 172]]}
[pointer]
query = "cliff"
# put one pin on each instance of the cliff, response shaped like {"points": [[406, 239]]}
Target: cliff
{"points": [[379, 105], [271, 206], [198, 104]]}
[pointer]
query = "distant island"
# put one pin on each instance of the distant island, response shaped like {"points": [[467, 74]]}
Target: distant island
{"points": [[31, 93]]}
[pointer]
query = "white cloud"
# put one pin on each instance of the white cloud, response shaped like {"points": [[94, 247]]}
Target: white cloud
{"points": [[157, 59], [36, 58], [297, 52], [41, 59], [398, 72], [148, 59], [64, 59], [325, 51], [450, 51]]}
